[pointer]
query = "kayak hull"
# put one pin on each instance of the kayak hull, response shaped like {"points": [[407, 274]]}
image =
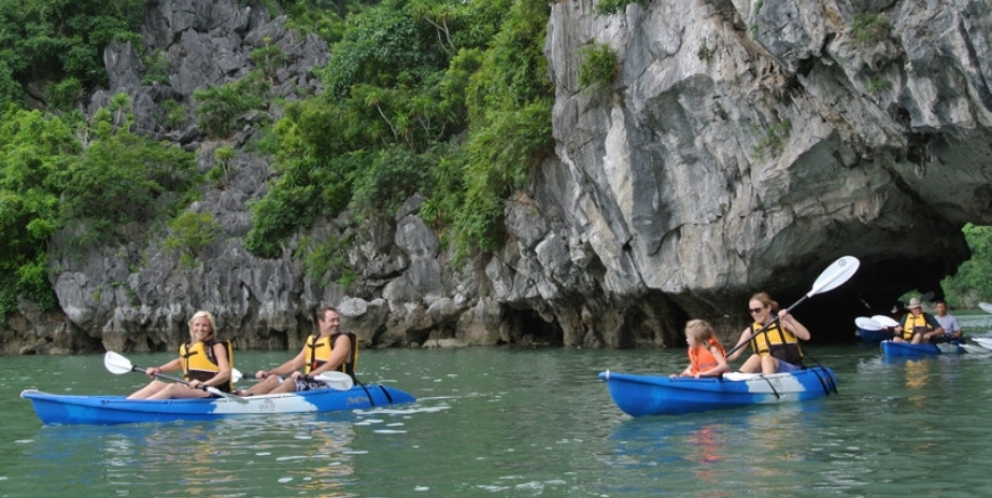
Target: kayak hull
{"points": [[907, 350], [56, 409], [874, 336], [640, 395]]}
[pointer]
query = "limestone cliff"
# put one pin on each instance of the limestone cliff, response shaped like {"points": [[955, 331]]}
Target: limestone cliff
{"points": [[742, 147]]}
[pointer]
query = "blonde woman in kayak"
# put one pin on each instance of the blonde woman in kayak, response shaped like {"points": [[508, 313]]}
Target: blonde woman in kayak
{"points": [[205, 362], [776, 349]]}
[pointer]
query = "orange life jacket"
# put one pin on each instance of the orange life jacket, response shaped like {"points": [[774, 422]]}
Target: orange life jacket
{"points": [[701, 358]]}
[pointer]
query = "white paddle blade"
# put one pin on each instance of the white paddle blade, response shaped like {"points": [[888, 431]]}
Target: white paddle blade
{"points": [[985, 342], [837, 273], [116, 363], [236, 375], [986, 307], [865, 323], [336, 380], [973, 349], [885, 321]]}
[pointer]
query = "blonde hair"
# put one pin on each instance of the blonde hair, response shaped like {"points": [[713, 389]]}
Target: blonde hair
{"points": [[766, 300], [699, 330], [209, 317]]}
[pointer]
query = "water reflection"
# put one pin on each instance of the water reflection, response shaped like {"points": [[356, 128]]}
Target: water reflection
{"points": [[275, 456]]}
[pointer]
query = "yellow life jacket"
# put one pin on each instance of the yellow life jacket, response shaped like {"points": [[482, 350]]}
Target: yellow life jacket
{"points": [[915, 324], [320, 352], [778, 342], [199, 362]]}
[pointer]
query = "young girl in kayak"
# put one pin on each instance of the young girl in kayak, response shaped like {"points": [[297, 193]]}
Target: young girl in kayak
{"points": [[204, 361], [706, 355], [776, 348]]}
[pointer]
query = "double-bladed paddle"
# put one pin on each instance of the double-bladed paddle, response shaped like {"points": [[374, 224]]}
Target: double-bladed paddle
{"points": [[865, 323], [837, 273], [118, 364], [338, 381], [886, 322]]}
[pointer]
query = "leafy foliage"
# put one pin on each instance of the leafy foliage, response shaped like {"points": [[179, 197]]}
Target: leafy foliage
{"points": [[773, 140], [428, 96], [50, 40], [871, 28], [33, 148], [121, 177], [973, 281], [610, 7], [190, 234], [328, 262], [218, 107], [90, 175], [599, 67]]}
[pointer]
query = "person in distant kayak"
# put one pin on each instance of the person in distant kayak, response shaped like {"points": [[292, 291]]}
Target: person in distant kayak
{"points": [[331, 350], [205, 362], [916, 326], [706, 355], [776, 349], [952, 329]]}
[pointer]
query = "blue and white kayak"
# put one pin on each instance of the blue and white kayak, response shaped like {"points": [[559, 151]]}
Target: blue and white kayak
{"points": [[906, 350], [105, 410], [640, 395]]}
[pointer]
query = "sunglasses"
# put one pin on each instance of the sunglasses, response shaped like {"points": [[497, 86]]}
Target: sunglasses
{"points": [[756, 310]]}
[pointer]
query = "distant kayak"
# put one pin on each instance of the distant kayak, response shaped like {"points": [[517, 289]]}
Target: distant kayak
{"points": [[106, 410], [640, 395], [905, 349]]}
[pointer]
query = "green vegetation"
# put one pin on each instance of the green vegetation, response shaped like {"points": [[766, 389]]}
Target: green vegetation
{"points": [[599, 66], [47, 41], [175, 113], [88, 176], [268, 59], [327, 262], [876, 85], [610, 7], [773, 141], [442, 97], [869, 29], [190, 234], [220, 174], [973, 281], [218, 108], [156, 68]]}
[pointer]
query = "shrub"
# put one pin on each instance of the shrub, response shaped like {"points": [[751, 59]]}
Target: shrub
{"points": [[190, 233], [599, 66], [217, 108]]}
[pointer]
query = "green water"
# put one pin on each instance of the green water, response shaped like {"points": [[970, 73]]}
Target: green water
{"points": [[521, 423]]}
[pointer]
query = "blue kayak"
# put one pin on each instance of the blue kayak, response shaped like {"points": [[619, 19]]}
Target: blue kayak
{"points": [[106, 410], [874, 336], [640, 395], [905, 349]]}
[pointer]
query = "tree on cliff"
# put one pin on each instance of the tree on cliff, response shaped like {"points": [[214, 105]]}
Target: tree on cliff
{"points": [[973, 281], [447, 98], [89, 176], [46, 42]]}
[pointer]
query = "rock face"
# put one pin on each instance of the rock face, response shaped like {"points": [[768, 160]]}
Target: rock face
{"points": [[742, 147]]}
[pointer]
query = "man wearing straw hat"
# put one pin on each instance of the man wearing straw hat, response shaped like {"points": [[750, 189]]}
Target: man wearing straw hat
{"points": [[915, 326]]}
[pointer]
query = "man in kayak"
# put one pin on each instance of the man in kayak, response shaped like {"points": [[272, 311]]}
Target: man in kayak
{"points": [[952, 329], [331, 350], [776, 347], [916, 326]]}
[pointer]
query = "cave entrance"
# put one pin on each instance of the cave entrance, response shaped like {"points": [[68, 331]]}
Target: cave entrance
{"points": [[528, 328]]}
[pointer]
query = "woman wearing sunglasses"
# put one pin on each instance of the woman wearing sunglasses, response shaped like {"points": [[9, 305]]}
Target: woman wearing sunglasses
{"points": [[774, 338]]}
